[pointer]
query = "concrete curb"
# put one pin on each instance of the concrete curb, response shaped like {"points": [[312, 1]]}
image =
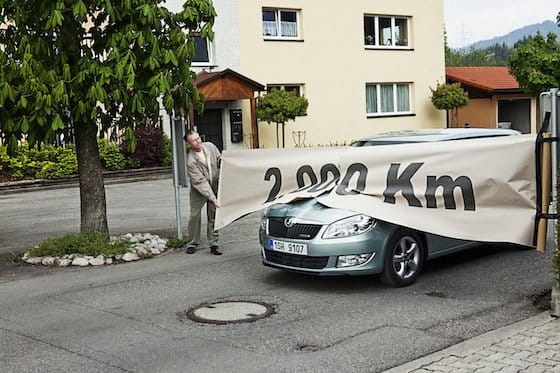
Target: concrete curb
{"points": [[110, 177], [474, 344]]}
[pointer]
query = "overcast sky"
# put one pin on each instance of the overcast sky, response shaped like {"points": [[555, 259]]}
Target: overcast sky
{"points": [[473, 20]]}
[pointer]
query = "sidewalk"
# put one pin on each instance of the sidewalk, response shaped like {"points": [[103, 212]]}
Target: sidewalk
{"points": [[531, 345]]}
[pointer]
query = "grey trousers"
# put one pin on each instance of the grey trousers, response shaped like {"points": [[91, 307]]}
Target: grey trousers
{"points": [[197, 203]]}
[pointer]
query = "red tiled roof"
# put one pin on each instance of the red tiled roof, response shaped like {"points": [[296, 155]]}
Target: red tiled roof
{"points": [[487, 78]]}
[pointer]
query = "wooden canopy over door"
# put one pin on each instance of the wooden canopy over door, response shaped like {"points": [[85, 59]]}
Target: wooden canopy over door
{"points": [[227, 85]]}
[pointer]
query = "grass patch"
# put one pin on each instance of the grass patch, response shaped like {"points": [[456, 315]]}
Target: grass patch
{"points": [[86, 243], [12, 258], [176, 243]]}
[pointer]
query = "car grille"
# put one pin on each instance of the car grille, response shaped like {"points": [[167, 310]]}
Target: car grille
{"points": [[300, 261], [276, 228]]}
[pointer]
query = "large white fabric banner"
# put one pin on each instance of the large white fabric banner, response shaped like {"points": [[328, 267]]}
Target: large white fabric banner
{"points": [[479, 189]]}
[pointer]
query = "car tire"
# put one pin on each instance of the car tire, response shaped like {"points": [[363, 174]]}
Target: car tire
{"points": [[404, 258]]}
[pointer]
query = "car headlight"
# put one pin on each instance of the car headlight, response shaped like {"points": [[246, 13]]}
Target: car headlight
{"points": [[264, 220], [352, 260], [348, 227]]}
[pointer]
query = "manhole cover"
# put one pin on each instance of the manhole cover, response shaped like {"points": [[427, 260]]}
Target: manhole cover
{"points": [[229, 312]]}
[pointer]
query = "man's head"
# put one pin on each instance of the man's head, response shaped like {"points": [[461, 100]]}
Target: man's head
{"points": [[193, 139]]}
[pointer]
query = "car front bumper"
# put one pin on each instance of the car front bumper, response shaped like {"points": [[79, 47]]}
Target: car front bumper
{"points": [[322, 254]]}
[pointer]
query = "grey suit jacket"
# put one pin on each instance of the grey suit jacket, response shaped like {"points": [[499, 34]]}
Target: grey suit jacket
{"points": [[199, 174]]}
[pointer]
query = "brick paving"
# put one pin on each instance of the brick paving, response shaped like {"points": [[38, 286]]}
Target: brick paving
{"points": [[529, 346]]}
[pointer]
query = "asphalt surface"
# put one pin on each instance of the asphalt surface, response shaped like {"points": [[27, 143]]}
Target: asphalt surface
{"points": [[131, 317], [30, 217]]}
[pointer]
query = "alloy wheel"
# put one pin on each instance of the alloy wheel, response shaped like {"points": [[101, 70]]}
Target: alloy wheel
{"points": [[406, 257]]}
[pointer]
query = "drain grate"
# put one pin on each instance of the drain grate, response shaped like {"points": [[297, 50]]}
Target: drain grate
{"points": [[230, 312]]}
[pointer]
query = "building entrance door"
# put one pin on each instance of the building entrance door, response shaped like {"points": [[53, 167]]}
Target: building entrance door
{"points": [[209, 126]]}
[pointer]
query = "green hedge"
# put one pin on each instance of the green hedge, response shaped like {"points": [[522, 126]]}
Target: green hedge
{"points": [[51, 162]]}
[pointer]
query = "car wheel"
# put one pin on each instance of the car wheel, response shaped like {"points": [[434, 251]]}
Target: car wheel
{"points": [[404, 258]]}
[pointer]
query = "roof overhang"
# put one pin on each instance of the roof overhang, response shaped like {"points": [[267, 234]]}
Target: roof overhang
{"points": [[226, 85]]}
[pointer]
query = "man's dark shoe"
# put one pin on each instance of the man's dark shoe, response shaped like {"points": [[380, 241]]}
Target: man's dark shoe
{"points": [[191, 249], [214, 250]]}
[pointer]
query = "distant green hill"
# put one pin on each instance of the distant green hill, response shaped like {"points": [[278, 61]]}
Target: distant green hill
{"points": [[510, 39]]}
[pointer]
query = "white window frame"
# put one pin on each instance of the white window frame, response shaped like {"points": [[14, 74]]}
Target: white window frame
{"points": [[395, 111], [283, 86], [278, 24], [393, 45], [209, 48]]}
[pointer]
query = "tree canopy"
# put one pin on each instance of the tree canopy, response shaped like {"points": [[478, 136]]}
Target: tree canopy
{"points": [[536, 64], [279, 106], [449, 96], [94, 61], [88, 65]]}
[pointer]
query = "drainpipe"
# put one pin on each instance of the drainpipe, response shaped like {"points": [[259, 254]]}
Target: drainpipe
{"points": [[554, 94], [554, 148]]}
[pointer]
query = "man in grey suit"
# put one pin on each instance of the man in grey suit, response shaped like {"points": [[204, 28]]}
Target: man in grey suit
{"points": [[203, 162]]}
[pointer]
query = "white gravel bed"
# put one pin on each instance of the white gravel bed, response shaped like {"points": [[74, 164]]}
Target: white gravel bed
{"points": [[143, 245]]}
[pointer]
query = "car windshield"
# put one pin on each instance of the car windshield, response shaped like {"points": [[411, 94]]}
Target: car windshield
{"points": [[378, 142], [418, 139]]}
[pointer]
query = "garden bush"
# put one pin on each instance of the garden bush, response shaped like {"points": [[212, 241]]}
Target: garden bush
{"points": [[166, 155], [150, 143], [51, 162], [111, 157], [86, 243]]}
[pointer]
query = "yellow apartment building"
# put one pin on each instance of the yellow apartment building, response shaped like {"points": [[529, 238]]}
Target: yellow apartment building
{"points": [[364, 66]]}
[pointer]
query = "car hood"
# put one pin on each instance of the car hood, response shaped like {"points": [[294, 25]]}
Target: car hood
{"points": [[309, 210]]}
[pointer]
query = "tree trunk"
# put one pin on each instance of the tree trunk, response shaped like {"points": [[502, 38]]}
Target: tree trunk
{"points": [[93, 210], [277, 136], [283, 135], [455, 118]]}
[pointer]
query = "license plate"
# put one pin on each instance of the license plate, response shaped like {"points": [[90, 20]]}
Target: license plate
{"points": [[288, 247]]}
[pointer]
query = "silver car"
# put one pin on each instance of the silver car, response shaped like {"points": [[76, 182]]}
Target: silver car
{"points": [[307, 237]]}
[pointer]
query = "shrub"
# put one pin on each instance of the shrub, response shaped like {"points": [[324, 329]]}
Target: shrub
{"points": [[149, 146], [86, 243], [111, 157], [59, 162], [166, 155], [49, 162]]}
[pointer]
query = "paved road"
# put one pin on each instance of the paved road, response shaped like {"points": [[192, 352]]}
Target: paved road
{"points": [[131, 317], [28, 218]]}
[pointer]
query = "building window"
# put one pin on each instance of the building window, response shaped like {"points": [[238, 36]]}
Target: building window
{"points": [[280, 23], [386, 32], [388, 99], [203, 54], [296, 89]]}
